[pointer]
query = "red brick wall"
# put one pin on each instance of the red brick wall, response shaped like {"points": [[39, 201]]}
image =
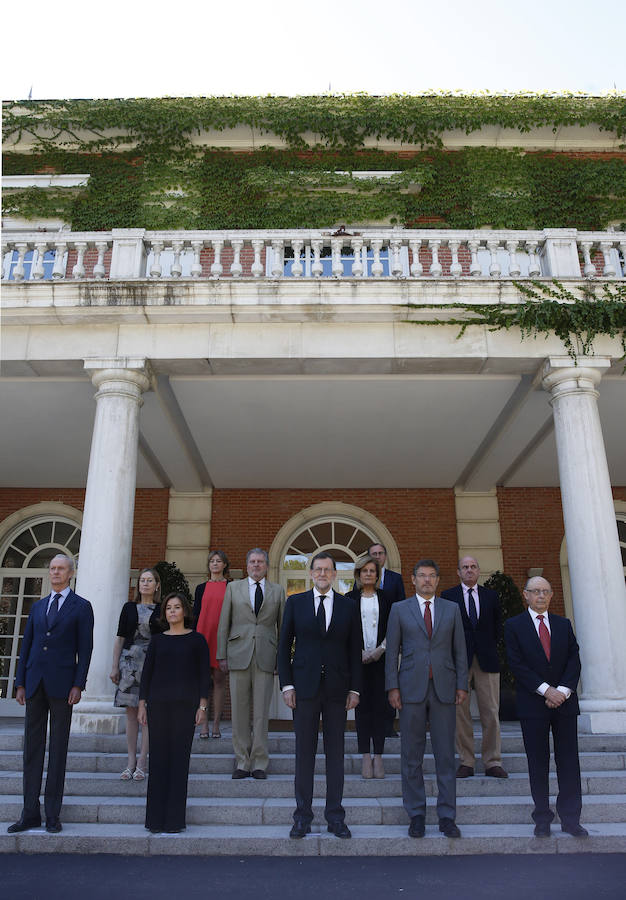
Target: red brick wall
{"points": [[422, 522], [150, 523]]}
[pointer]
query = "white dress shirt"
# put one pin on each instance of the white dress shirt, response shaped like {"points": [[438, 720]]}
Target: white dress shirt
{"points": [[369, 621], [53, 594], [328, 604], [423, 603], [252, 589], [543, 687], [474, 591]]}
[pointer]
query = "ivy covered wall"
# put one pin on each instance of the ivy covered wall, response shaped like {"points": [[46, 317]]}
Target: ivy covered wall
{"points": [[147, 169]]}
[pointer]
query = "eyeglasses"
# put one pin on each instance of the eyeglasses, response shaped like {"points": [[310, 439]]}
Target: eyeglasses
{"points": [[320, 571], [538, 590]]}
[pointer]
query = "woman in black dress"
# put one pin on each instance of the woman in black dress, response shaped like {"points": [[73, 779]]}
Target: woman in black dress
{"points": [[373, 605], [173, 699]]}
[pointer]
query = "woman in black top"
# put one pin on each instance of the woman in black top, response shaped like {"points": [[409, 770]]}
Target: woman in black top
{"points": [[139, 620], [173, 699]]}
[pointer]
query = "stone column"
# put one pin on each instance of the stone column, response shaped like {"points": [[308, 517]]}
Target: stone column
{"points": [[107, 532], [597, 579]]}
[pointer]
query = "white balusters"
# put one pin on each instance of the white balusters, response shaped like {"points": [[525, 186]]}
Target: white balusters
{"points": [[357, 262], [37, 272], [58, 270], [18, 270], [416, 266], [456, 269], [78, 270], [278, 264], [494, 267], [176, 270], [475, 267], [336, 246], [216, 267], [396, 263], [435, 266], [297, 269], [534, 269], [196, 266], [155, 268], [257, 266], [235, 267], [377, 266], [589, 269], [317, 267], [609, 268], [98, 269], [514, 266]]}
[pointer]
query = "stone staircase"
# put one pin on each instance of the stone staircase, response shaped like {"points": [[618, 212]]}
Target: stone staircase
{"points": [[102, 814]]}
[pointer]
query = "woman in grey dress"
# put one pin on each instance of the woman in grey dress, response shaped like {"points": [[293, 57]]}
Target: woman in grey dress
{"points": [[139, 620]]}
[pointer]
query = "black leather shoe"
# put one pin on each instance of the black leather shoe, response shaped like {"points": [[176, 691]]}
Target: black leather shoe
{"points": [[464, 772], [339, 829], [417, 828], [542, 829], [449, 828], [24, 825], [299, 830], [260, 774], [53, 826], [240, 773], [496, 772], [576, 830]]}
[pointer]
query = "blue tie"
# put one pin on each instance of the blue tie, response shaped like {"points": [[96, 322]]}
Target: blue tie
{"points": [[473, 615], [53, 611]]}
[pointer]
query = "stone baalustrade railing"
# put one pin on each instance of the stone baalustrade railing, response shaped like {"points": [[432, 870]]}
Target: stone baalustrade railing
{"points": [[389, 253]]}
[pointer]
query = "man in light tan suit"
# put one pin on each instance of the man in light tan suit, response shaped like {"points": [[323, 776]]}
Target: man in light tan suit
{"points": [[247, 640]]}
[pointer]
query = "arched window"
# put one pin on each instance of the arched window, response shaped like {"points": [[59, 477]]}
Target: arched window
{"points": [[24, 561]]}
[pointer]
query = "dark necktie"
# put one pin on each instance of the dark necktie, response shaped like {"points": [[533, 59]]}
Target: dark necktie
{"points": [[258, 598], [544, 637], [428, 621], [473, 615], [321, 615], [53, 611]]}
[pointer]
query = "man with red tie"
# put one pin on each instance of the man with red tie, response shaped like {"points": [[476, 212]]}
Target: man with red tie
{"points": [[543, 655]]}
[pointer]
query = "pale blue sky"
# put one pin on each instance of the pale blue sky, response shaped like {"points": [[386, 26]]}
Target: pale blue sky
{"points": [[130, 48]]}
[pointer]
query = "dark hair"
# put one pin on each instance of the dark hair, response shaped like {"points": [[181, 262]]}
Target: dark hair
{"points": [[157, 590], [323, 555], [359, 564], [187, 610], [427, 564], [377, 544], [224, 558]]}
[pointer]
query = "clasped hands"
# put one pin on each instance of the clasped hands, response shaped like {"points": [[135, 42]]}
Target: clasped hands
{"points": [[395, 699], [352, 700], [554, 698], [370, 656]]}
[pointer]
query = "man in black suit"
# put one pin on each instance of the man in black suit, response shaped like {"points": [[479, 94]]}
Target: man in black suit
{"points": [[480, 612], [323, 678], [393, 586], [51, 675], [543, 655]]}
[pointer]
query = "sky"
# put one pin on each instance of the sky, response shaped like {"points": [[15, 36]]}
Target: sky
{"points": [[134, 48]]}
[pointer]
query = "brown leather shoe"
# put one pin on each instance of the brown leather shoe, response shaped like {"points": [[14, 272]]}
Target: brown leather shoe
{"points": [[464, 772], [496, 772]]}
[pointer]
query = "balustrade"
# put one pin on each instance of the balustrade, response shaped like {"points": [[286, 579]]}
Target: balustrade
{"points": [[373, 253]]}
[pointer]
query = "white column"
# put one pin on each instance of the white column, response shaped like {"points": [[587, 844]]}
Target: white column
{"points": [[595, 565], [105, 547]]}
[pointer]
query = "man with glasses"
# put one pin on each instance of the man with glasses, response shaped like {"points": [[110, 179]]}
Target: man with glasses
{"points": [[426, 676], [543, 656], [319, 667]]}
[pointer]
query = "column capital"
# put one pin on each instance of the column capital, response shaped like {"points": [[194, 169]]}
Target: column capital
{"points": [[560, 375], [132, 373]]}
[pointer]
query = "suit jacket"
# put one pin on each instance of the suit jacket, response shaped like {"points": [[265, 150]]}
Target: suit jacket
{"points": [[240, 632], [483, 640], [531, 667], [445, 651], [384, 606], [60, 656], [394, 586], [339, 650]]}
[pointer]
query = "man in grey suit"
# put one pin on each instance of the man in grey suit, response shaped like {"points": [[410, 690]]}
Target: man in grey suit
{"points": [[425, 635], [247, 641]]}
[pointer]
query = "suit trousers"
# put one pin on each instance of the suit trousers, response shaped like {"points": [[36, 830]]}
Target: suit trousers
{"points": [[251, 685], [487, 688], [38, 707], [536, 734], [172, 726], [306, 720], [413, 720], [370, 715]]}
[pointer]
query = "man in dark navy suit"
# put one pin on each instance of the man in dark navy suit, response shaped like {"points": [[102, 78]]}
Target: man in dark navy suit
{"points": [[51, 675], [543, 655], [323, 629], [480, 612]]}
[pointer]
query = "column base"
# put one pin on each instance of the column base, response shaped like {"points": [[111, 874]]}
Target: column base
{"points": [[604, 717], [98, 717]]}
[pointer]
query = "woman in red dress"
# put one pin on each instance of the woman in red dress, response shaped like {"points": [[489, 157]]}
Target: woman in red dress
{"points": [[207, 607]]}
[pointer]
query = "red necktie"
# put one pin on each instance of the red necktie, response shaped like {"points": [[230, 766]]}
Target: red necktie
{"points": [[428, 621], [544, 637]]}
